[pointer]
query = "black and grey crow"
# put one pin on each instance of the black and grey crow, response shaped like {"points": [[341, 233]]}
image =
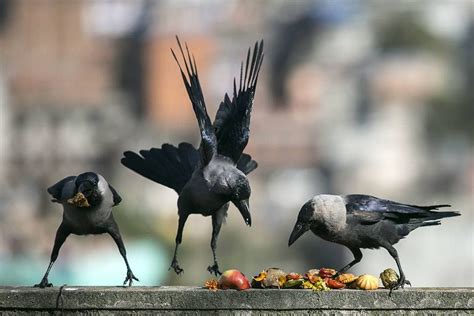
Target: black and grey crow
{"points": [[209, 178], [94, 218], [363, 221]]}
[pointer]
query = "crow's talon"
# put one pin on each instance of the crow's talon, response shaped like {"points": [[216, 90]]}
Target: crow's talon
{"points": [[44, 283], [129, 278], [214, 269], [177, 269], [400, 284]]}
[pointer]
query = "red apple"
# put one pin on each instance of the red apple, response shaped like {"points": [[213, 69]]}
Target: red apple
{"points": [[233, 279]]}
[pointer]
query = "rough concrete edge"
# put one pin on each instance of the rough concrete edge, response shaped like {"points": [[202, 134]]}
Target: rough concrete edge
{"points": [[192, 298]]}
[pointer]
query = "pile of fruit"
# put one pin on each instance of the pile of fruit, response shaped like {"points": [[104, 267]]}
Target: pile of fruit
{"points": [[323, 279]]}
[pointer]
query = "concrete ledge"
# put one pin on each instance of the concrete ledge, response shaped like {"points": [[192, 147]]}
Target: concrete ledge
{"points": [[193, 300]]}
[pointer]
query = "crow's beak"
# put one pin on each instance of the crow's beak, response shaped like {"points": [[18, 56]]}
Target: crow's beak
{"points": [[298, 230], [243, 206]]}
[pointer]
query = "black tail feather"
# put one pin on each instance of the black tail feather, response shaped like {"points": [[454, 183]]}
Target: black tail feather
{"points": [[429, 207], [438, 215], [435, 223]]}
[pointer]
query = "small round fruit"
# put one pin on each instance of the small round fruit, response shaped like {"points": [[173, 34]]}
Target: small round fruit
{"points": [[367, 282], [233, 279], [389, 278]]}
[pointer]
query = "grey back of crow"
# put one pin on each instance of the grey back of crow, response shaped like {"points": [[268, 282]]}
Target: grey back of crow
{"points": [[208, 178], [364, 221]]}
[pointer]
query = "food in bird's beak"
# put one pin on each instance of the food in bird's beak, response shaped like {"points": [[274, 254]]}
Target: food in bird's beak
{"points": [[233, 279], [346, 278], [367, 282], [326, 273], [211, 284], [273, 278], [389, 278], [79, 200]]}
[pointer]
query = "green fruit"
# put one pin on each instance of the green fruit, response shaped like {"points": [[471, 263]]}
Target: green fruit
{"points": [[389, 278], [292, 284]]}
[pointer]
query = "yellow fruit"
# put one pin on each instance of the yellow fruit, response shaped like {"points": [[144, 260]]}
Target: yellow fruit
{"points": [[367, 282]]}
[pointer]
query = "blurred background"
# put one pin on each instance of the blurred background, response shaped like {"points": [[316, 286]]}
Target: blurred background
{"points": [[370, 97]]}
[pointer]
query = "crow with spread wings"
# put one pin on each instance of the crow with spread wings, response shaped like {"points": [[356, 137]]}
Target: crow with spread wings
{"points": [[209, 178]]}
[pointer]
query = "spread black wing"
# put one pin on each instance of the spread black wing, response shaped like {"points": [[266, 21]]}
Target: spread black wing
{"points": [[369, 210], [233, 116], [193, 87], [169, 165]]}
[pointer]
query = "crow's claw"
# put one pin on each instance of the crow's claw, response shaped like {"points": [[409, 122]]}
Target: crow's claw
{"points": [[400, 284], [214, 269], [129, 278], [44, 283], [177, 269]]}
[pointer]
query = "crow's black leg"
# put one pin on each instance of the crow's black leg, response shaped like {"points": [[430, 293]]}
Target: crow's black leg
{"points": [[217, 220], [402, 281], [114, 232], [61, 235], [179, 238], [357, 258]]}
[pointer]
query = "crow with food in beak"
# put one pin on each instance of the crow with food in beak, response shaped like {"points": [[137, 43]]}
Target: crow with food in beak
{"points": [[87, 201]]}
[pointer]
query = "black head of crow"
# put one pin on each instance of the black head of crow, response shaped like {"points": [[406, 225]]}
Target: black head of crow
{"points": [[210, 178], [94, 217], [362, 221]]}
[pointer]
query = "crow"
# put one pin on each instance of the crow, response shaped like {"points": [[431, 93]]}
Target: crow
{"points": [[92, 215], [209, 178], [363, 221]]}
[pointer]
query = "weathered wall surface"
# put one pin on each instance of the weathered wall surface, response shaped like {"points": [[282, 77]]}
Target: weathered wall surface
{"points": [[193, 301]]}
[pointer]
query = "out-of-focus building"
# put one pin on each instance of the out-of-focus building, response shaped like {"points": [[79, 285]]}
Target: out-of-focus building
{"points": [[345, 104]]}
